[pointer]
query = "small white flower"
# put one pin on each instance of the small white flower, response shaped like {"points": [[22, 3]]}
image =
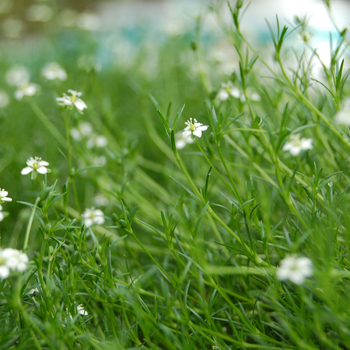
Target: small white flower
{"points": [[1, 214], [252, 96], [4, 269], [15, 259], [83, 129], [297, 144], [71, 101], [194, 128], [294, 269], [29, 89], [12, 259], [181, 142], [35, 165], [54, 71], [96, 141], [18, 76], [3, 196], [100, 200], [88, 21], [93, 216], [228, 90], [39, 13], [101, 161], [343, 116], [81, 310], [4, 99]]}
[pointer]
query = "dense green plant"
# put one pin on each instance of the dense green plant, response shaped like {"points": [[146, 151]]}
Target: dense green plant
{"points": [[192, 238]]}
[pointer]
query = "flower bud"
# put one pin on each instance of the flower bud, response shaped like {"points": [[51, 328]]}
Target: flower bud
{"points": [[75, 258], [211, 137], [239, 4], [123, 223], [194, 45]]}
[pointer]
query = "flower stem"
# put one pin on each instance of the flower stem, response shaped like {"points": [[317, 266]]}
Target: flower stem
{"points": [[30, 224]]}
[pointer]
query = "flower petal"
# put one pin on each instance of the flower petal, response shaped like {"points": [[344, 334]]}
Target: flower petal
{"points": [[42, 170]]}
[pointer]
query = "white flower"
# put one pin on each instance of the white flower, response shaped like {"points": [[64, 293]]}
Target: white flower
{"points": [[181, 142], [12, 259], [194, 128], [15, 259], [98, 141], [39, 13], [297, 144], [88, 21], [93, 216], [228, 90], [101, 161], [18, 76], [81, 310], [83, 129], [54, 71], [71, 101], [4, 99], [4, 269], [252, 96], [28, 89], [3, 196], [343, 116], [35, 165], [1, 214], [100, 200], [294, 269]]}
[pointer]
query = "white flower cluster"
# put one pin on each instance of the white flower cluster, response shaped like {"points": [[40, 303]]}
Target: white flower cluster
{"points": [[34, 166], [297, 144], [20, 77], [3, 199], [85, 129], [72, 101], [294, 269], [93, 216], [193, 128], [54, 71], [12, 260], [227, 90]]}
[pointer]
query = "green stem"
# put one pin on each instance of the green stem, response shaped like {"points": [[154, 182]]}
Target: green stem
{"points": [[47, 122], [30, 224]]}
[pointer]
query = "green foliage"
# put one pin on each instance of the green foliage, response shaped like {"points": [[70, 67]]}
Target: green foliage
{"points": [[192, 238]]}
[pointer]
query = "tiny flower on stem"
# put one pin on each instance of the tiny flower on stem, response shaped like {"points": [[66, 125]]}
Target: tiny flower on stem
{"points": [[81, 310], [297, 144], [54, 71], [228, 90], [343, 116], [72, 101], [18, 76], [294, 269], [194, 128], [28, 89], [181, 142], [3, 196], [35, 165], [12, 259], [93, 216]]}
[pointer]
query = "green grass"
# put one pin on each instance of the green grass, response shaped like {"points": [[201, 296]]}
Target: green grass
{"points": [[187, 256]]}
